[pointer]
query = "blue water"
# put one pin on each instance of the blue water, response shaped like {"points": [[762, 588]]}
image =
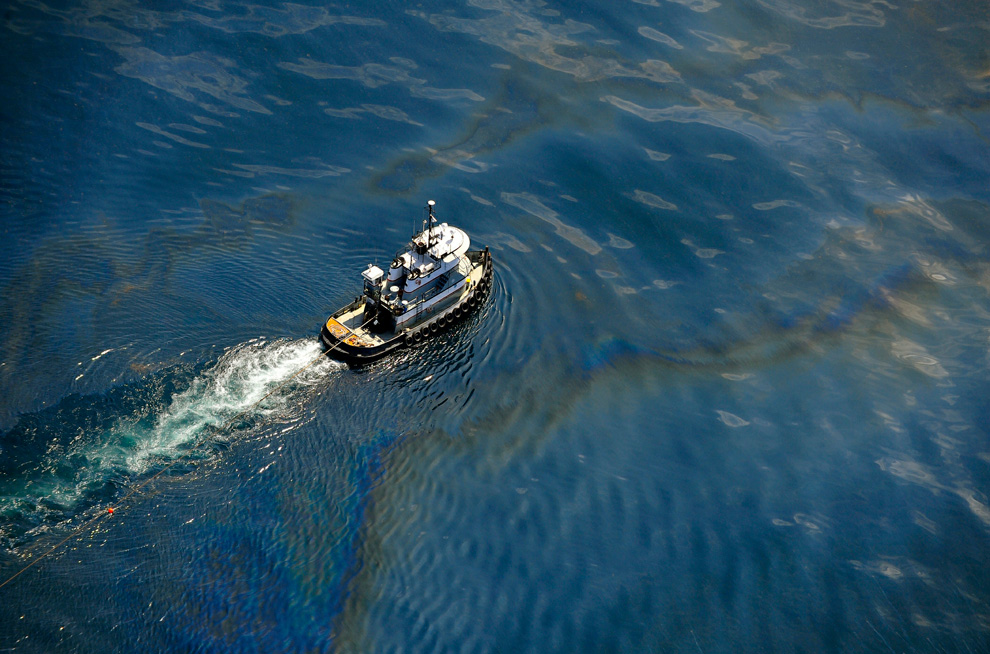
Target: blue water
{"points": [[729, 392]]}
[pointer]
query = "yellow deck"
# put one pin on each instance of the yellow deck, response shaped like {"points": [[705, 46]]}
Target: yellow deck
{"points": [[350, 335]]}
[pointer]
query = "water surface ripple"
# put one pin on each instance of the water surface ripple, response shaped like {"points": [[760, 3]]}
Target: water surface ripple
{"points": [[727, 393]]}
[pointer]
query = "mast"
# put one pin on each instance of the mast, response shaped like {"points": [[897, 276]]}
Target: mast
{"points": [[432, 219]]}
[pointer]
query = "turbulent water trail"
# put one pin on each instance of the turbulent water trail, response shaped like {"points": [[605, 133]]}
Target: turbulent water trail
{"points": [[241, 378], [58, 462]]}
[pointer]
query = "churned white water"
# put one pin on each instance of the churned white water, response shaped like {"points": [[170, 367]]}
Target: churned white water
{"points": [[255, 380], [240, 386]]}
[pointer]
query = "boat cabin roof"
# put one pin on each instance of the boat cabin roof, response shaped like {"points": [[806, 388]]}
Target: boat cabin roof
{"points": [[445, 240], [373, 274]]}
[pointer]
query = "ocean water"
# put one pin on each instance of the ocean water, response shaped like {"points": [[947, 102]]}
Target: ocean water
{"points": [[729, 393]]}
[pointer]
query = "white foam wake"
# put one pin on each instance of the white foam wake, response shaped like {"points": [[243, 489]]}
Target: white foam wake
{"points": [[237, 389], [238, 384]]}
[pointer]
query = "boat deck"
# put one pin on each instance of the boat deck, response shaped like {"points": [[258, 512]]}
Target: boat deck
{"points": [[350, 322]]}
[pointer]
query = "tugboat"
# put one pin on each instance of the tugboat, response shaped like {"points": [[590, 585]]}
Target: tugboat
{"points": [[433, 282]]}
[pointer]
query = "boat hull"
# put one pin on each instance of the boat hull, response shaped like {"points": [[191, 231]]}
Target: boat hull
{"points": [[356, 346]]}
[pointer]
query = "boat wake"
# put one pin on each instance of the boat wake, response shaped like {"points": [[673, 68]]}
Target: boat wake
{"points": [[56, 463]]}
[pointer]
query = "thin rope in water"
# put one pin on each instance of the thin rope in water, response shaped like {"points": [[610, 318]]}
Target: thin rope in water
{"points": [[136, 489]]}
